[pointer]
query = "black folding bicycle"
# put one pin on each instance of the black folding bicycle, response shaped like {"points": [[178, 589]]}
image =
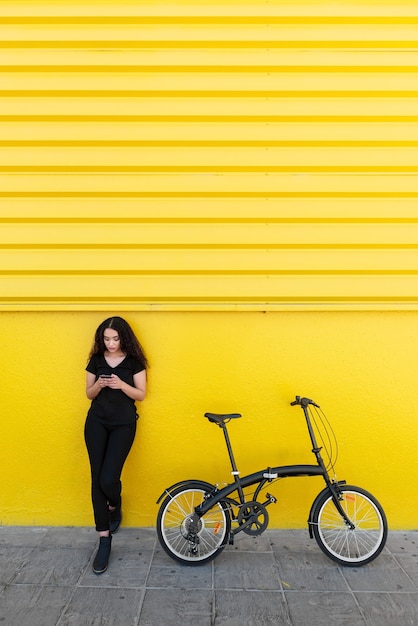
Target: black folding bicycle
{"points": [[197, 519]]}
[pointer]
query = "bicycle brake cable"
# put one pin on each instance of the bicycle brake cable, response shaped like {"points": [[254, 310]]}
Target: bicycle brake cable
{"points": [[326, 435]]}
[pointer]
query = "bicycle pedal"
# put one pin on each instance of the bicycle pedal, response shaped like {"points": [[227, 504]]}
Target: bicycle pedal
{"points": [[231, 539]]}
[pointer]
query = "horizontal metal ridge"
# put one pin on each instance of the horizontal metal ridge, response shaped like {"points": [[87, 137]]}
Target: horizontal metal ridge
{"points": [[210, 168], [210, 246], [206, 272], [230, 119], [93, 44], [208, 93], [208, 194], [219, 69], [261, 219], [210, 19], [207, 143]]}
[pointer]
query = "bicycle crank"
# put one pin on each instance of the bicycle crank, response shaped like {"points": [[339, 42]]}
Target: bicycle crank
{"points": [[253, 518]]}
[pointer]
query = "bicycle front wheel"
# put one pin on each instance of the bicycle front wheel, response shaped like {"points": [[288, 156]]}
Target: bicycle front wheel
{"points": [[352, 547], [174, 525]]}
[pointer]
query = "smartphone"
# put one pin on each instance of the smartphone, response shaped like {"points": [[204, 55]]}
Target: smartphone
{"points": [[105, 375]]}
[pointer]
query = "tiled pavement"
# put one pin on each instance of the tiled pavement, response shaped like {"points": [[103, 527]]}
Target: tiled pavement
{"points": [[279, 578]]}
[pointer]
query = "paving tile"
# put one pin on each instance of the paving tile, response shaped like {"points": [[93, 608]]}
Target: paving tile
{"points": [[309, 572], [33, 605], [387, 609], [247, 543], [176, 575], [320, 609], [410, 566], [21, 536], [161, 557], [251, 608], [383, 574], [127, 568], [402, 542], [91, 607], [293, 541], [53, 566], [246, 570], [173, 607], [68, 537], [136, 538], [11, 561]]}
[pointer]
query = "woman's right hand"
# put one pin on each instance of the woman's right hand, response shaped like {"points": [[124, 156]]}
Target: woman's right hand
{"points": [[93, 386]]}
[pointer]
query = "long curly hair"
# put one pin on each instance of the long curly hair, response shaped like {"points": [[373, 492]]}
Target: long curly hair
{"points": [[129, 344]]}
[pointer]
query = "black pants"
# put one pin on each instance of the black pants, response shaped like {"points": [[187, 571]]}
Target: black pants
{"points": [[108, 448]]}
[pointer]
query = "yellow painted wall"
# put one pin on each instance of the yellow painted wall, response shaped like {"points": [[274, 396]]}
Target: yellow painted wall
{"points": [[360, 366], [239, 180]]}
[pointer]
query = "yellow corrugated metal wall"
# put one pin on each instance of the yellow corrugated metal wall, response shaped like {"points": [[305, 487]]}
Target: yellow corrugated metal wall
{"points": [[193, 165], [225, 154]]}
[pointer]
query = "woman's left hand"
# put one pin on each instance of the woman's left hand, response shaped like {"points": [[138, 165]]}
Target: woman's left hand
{"points": [[136, 392], [114, 382]]}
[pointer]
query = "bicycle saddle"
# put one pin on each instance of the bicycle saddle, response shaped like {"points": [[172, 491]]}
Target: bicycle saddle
{"points": [[217, 418]]}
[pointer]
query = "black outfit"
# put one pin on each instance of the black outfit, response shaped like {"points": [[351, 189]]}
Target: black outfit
{"points": [[109, 434]]}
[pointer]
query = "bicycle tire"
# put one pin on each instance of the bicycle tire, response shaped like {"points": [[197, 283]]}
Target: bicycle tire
{"points": [[173, 519], [349, 547]]}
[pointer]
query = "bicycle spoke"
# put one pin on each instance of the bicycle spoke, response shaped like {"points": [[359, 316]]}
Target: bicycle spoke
{"points": [[182, 535], [350, 545]]}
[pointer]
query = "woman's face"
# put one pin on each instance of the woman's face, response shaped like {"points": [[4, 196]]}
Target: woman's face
{"points": [[111, 340]]}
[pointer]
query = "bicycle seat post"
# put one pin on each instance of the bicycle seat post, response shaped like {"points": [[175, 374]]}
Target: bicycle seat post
{"points": [[235, 472]]}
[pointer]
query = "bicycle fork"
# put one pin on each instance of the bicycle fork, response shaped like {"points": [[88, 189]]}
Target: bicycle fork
{"points": [[332, 488]]}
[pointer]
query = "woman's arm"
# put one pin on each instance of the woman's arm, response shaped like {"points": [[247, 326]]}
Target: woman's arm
{"points": [[93, 386]]}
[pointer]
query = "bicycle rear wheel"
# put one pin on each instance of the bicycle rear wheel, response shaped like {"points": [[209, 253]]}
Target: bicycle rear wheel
{"points": [[174, 525], [352, 547]]}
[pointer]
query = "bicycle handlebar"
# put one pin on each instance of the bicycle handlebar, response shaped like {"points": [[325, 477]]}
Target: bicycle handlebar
{"points": [[303, 402]]}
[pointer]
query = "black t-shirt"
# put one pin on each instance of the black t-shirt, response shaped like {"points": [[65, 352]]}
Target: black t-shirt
{"points": [[112, 406]]}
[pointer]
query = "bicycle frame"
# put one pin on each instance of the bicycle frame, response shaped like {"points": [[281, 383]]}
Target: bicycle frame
{"points": [[267, 475]]}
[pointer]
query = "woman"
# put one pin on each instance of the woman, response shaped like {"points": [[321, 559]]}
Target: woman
{"points": [[116, 379]]}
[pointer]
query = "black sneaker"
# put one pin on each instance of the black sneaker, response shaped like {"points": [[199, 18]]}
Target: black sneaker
{"points": [[101, 559], [115, 519]]}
